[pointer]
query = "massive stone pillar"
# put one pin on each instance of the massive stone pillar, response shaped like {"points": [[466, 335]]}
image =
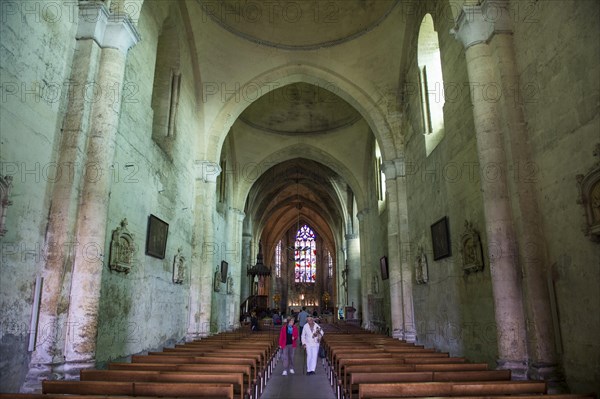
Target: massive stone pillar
{"points": [[237, 270], [406, 267], [204, 249], [400, 271], [91, 227], [354, 271], [533, 257], [246, 261], [77, 226], [394, 263], [60, 243], [475, 31]]}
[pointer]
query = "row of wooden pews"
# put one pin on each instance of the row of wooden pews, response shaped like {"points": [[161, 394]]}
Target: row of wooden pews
{"points": [[365, 365], [232, 365]]}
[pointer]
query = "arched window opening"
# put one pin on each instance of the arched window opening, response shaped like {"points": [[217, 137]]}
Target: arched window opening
{"points": [[379, 175], [305, 256], [431, 84], [166, 86], [329, 264], [277, 262]]}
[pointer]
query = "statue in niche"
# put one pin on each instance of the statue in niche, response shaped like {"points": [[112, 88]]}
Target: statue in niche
{"points": [[589, 197], [178, 267], [470, 249], [421, 268], [217, 282], [122, 249], [5, 187], [229, 284], [375, 284]]}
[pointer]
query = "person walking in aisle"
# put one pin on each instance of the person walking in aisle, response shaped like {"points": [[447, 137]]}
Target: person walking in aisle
{"points": [[311, 339], [302, 320], [288, 339]]}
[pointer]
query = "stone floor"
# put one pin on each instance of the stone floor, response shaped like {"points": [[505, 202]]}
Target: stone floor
{"points": [[298, 385]]}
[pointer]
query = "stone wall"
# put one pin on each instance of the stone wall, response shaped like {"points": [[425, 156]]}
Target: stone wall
{"points": [[454, 311], [557, 56], [36, 50]]}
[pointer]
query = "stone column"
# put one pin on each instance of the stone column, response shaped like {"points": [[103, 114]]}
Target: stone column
{"points": [[114, 34], [400, 267], [204, 249], [60, 243], [532, 249], [408, 313], [246, 261], [238, 269], [475, 31], [394, 261], [354, 271]]}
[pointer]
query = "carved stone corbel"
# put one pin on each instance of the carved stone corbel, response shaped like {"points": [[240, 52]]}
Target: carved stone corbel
{"points": [[470, 249], [589, 198], [122, 249]]}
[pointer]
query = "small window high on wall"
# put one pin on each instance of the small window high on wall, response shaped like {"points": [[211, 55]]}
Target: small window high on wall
{"points": [[431, 84], [278, 259], [305, 256], [379, 175]]}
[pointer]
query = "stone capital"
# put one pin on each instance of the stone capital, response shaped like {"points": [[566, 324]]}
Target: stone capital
{"points": [[240, 214], [478, 23], [108, 30], [389, 169], [394, 168], [362, 214], [206, 171]]}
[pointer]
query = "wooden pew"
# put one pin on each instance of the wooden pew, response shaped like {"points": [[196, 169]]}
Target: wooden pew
{"points": [[237, 379], [210, 360], [356, 378], [206, 368], [139, 389], [429, 389], [60, 396]]}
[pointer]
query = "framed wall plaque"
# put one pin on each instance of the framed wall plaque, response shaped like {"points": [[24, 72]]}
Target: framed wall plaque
{"points": [[156, 239], [224, 267], [383, 264], [440, 239]]}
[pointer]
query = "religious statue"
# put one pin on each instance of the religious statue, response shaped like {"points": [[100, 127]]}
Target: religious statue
{"points": [[421, 271], [375, 284], [229, 284], [472, 255], [178, 267]]}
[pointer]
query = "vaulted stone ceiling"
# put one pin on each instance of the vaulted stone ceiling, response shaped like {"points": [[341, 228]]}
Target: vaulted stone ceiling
{"points": [[300, 108], [298, 25]]}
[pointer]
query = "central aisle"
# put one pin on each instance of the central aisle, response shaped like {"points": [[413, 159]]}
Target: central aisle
{"points": [[299, 385]]}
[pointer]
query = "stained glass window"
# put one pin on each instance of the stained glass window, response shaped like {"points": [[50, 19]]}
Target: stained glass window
{"points": [[305, 255]]}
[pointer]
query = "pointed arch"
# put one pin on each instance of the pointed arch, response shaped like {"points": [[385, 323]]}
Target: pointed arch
{"points": [[373, 109]]}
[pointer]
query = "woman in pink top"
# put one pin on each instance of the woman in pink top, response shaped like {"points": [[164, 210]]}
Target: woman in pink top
{"points": [[288, 338]]}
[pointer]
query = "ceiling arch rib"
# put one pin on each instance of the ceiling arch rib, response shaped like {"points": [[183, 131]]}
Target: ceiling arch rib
{"points": [[373, 109]]}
